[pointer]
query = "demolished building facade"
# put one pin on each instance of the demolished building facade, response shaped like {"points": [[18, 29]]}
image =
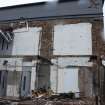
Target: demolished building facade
{"points": [[55, 46]]}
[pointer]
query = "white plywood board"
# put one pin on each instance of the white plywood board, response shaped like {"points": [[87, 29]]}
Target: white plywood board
{"points": [[68, 80], [64, 80], [26, 41], [73, 39]]}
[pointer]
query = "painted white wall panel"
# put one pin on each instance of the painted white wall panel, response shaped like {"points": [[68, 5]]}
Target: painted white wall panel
{"points": [[72, 61], [33, 78], [73, 39], [13, 90], [26, 42], [13, 64], [53, 78]]}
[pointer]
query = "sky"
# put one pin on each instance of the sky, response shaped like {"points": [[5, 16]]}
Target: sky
{"points": [[16, 2]]}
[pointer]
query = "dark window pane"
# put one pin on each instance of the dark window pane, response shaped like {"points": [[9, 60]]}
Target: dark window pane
{"points": [[2, 47], [7, 46], [0, 76], [3, 82], [24, 83]]}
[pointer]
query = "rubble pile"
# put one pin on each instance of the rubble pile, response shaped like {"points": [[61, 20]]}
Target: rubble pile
{"points": [[48, 97], [43, 98]]}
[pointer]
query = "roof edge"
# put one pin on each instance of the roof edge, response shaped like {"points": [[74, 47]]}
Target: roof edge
{"points": [[99, 16]]}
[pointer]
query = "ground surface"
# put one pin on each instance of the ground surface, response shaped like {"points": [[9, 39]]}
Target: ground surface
{"points": [[56, 102]]}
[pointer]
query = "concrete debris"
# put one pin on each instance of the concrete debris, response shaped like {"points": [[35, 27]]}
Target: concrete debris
{"points": [[42, 93]]}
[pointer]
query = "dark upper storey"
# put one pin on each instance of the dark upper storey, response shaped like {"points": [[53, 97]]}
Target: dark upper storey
{"points": [[51, 10]]}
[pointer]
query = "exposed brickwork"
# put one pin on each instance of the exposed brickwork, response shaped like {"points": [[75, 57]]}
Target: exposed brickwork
{"points": [[46, 41], [97, 38]]}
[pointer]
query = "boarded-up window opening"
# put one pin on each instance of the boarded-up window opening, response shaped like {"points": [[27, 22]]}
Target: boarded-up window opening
{"points": [[21, 38], [75, 41]]}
